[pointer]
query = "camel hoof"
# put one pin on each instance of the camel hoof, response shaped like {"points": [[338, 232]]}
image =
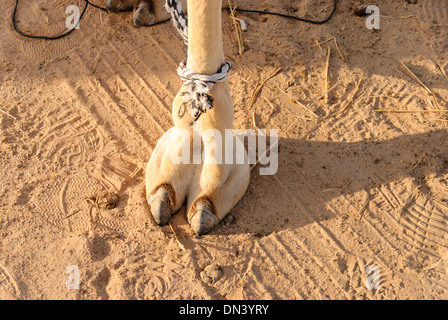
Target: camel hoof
{"points": [[160, 206], [203, 221], [143, 15]]}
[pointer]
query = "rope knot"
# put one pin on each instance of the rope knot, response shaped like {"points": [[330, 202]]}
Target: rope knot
{"points": [[198, 86]]}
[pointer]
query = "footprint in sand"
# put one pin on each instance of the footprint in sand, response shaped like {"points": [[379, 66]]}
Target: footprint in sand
{"points": [[8, 287]]}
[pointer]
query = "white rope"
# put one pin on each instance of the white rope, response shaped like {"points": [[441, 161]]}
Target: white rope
{"points": [[197, 85], [180, 20]]}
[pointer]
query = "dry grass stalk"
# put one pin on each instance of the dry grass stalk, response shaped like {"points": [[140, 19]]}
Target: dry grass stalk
{"points": [[435, 100], [327, 66], [349, 101], [175, 237], [441, 69], [434, 104], [323, 95], [363, 209], [288, 95], [339, 51], [253, 120], [303, 117], [319, 45], [96, 61], [9, 115], [71, 214], [236, 29], [415, 165], [416, 79], [383, 96], [299, 103], [271, 105], [136, 171], [260, 86], [337, 188], [410, 111]]}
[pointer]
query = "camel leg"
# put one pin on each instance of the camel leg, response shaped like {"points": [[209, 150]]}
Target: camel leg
{"points": [[170, 169], [216, 187], [211, 188]]}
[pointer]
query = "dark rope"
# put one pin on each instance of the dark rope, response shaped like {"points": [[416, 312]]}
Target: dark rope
{"points": [[95, 6], [14, 24], [87, 3], [289, 16]]}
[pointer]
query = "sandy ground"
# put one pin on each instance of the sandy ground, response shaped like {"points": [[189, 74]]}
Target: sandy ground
{"points": [[354, 188]]}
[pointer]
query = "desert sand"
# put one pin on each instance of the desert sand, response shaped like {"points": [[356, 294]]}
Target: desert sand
{"points": [[355, 187]]}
